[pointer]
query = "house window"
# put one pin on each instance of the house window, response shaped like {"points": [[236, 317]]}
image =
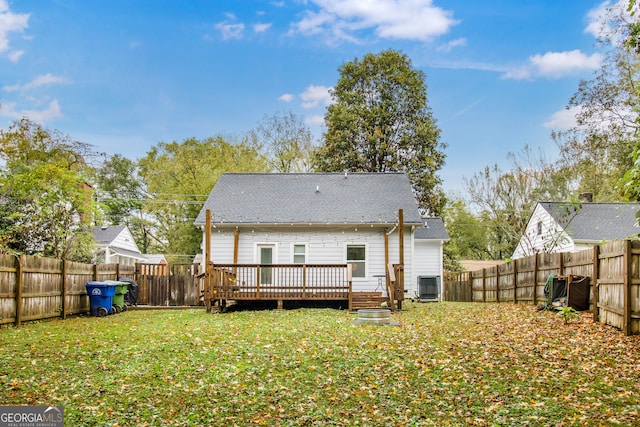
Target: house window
{"points": [[299, 253], [357, 256], [539, 228]]}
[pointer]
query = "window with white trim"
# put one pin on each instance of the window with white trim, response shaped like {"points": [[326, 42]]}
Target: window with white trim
{"points": [[357, 256], [299, 253]]}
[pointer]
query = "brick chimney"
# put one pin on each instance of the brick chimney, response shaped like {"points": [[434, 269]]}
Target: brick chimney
{"points": [[585, 197]]}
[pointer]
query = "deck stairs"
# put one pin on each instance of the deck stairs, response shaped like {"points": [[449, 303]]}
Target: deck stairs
{"points": [[361, 300]]}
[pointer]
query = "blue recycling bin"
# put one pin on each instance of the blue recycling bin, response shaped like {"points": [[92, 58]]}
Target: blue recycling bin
{"points": [[101, 298]]}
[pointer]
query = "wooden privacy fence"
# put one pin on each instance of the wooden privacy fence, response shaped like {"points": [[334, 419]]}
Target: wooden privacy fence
{"points": [[34, 288], [613, 269], [168, 285]]}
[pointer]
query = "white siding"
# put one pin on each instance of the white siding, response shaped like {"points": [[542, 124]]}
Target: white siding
{"points": [[324, 246], [427, 261], [126, 241], [550, 238]]}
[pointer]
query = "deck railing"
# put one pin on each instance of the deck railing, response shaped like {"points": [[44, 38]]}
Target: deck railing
{"points": [[279, 282]]}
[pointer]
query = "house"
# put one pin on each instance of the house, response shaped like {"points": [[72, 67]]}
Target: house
{"points": [[155, 265], [323, 219], [427, 260], [115, 245], [476, 264], [572, 227]]}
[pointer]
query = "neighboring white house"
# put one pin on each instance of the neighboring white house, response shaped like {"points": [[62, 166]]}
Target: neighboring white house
{"points": [[324, 218], [115, 245], [572, 227]]}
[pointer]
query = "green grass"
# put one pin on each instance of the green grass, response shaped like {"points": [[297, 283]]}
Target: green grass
{"points": [[447, 364]]}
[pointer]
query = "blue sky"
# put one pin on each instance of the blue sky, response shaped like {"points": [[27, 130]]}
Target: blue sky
{"points": [[124, 75]]}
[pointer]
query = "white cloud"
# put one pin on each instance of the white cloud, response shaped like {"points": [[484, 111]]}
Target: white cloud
{"points": [[10, 22], [15, 55], [41, 116], [604, 21], [448, 47], [555, 65], [230, 31], [287, 97], [596, 19], [316, 120], [341, 20], [261, 27], [563, 119], [44, 80], [314, 95]]}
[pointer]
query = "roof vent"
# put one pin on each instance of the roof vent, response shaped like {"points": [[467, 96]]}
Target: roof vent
{"points": [[317, 188]]}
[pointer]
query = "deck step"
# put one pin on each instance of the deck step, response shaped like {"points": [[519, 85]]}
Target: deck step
{"points": [[360, 300]]}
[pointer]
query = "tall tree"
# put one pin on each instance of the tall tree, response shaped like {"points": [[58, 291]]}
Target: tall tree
{"points": [[180, 175], [287, 142], [504, 200], [630, 182], [28, 142], [122, 197], [118, 189], [597, 151], [380, 121], [468, 237], [45, 202]]}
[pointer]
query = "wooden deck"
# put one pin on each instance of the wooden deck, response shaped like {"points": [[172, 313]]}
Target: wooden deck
{"points": [[279, 282]]}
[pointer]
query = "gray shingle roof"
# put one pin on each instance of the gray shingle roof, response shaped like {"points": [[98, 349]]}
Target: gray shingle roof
{"points": [[596, 221], [107, 234], [433, 229], [311, 198]]}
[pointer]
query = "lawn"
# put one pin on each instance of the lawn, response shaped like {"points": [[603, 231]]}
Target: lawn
{"points": [[453, 364]]}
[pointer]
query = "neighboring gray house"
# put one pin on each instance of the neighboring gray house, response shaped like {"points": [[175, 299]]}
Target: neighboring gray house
{"points": [[324, 218], [572, 227], [115, 245]]}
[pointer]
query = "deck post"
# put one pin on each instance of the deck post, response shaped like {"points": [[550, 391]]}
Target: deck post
{"points": [[350, 282], [400, 279], [304, 281], [258, 281], [208, 292], [387, 279]]}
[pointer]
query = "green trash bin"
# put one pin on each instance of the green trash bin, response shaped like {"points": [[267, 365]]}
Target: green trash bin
{"points": [[118, 299]]}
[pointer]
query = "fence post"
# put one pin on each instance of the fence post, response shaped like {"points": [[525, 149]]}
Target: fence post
{"points": [[64, 289], [594, 283], [497, 283], [470, 279], [535, 279], [484, 285], [515, 281], [626, 277], [19, 264]]}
